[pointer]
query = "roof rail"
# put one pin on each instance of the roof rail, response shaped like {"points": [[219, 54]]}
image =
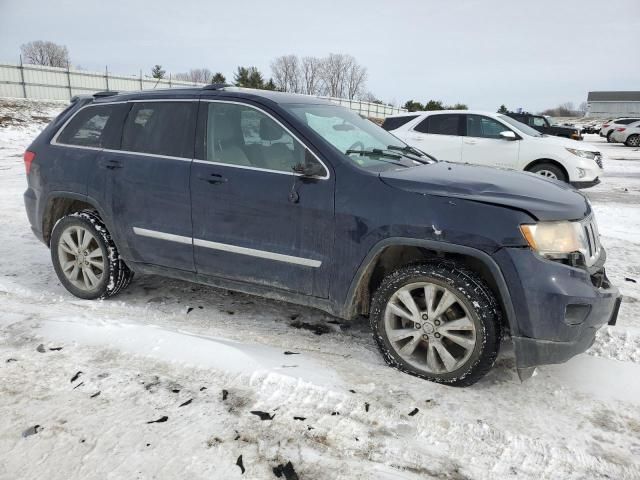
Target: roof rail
{"points": [[106, 93], [216, 86]]}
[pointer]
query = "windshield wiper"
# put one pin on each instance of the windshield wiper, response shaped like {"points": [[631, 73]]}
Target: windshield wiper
{"points": [[408, 149], [376, 152]]}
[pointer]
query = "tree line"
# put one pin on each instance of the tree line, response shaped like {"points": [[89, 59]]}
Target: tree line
{"points": [[431, 105]]}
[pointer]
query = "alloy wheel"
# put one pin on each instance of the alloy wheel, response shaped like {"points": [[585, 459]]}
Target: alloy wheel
{"points": [[547, 173], [430, 327], [81, 258]]}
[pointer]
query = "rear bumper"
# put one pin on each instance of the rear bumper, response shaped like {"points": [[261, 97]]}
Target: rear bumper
{"points": [[31, 206], [558, 308]]}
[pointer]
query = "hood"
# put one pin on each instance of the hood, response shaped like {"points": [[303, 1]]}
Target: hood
{"points": [[565, 142], [541, 198]]}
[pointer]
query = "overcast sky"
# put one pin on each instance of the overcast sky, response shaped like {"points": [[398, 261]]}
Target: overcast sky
{"points": [[533, 54]]}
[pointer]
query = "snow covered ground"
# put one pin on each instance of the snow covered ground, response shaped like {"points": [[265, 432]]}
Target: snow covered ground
{"points": [[177, 380]]}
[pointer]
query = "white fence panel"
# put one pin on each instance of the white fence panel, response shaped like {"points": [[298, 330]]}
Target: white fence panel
{"points": [[51, 83]]}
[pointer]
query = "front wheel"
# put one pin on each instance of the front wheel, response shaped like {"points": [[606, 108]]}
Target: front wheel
{"points": [[85, 257], [437, 321], [549, 170]]}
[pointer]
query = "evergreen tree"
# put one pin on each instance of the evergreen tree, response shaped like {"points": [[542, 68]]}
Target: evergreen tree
{"points": [[218, 78], [157, 72], [412, 106], [503, 109], [255, 78], [241, 77], [270, 85], [433, 105]]}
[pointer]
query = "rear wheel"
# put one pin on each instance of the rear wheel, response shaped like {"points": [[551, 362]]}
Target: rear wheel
{"points": [[609, 139], [633, 141], [549, 170], [85, 258], [437, 321]]}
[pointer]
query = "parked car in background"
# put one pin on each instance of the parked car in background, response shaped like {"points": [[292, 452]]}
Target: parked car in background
{"points": [[544, 125], [629, 135], [593, 127], [295, 198], [608, 127], [497, 140]]}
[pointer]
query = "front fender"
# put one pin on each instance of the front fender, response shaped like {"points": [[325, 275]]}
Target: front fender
{"points": [[366, 267]]}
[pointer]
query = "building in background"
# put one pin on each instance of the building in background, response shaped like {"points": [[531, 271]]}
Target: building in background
{"points": [[613, 104]]}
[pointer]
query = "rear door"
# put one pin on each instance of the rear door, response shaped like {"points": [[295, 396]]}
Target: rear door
{"points": [[438, 135], [483, 145], [145, 183], [254, 220]]}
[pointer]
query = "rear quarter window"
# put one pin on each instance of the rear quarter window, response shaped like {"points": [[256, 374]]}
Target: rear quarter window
{"points": [[445, 124], [392, 123], [95, 126]]}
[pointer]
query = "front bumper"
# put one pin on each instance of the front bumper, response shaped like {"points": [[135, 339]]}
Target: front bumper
{"points": [[587, 184], [558, 308]]}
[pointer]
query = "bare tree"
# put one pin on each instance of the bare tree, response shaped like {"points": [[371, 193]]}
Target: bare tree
{"points": [[334, 72], [311, 73], [286, 73], [196, 75], [45, 53], [355, 78]]}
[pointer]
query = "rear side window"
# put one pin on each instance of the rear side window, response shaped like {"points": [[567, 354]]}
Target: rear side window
{"points": [[627, 121], [96, 126], [447, 124], [484, 127], [161, 128], [392, 123]]}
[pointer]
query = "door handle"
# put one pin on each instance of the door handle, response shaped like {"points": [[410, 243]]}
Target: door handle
{"points": [[111, 164], [470, 142], [213, 178]]}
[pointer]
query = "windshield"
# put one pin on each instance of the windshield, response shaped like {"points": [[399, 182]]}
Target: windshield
{"points": [[526, 129], [551, 120], [362, 141]]}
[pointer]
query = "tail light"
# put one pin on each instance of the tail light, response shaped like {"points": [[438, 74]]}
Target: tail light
{"points": [[29, 157], [621, 129], [606, 125]]}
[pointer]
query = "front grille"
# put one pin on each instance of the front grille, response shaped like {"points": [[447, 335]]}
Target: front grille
{"points": [[592, 237], [599, 160]]}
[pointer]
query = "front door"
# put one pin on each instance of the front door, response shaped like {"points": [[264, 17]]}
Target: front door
{"points": [[254, 219], [483, 145]]}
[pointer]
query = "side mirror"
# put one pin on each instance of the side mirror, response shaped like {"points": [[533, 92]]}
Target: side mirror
{"points": [[310, 168], [508, 135]]}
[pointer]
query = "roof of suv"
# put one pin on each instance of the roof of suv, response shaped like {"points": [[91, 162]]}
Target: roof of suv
{"points": [[432, 112], [190, 92]]}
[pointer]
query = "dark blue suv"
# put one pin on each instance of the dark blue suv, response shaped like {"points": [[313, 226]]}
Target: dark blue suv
{"points": [[294, 198]]}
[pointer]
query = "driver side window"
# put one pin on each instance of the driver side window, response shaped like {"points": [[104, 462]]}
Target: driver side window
{"points": [[244, 136]]}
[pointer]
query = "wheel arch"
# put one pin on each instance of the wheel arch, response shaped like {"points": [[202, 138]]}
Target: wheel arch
{"points": [[393, 253], [59, 204], [548, 160]]}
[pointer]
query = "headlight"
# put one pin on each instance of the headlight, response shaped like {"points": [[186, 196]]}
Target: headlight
{"points": [[582, 153], [555, 239]]}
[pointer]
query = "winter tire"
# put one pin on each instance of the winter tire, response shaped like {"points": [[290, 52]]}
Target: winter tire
{"points": [[437, 321], [609, 139], [85, 257], [549, 170]]}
